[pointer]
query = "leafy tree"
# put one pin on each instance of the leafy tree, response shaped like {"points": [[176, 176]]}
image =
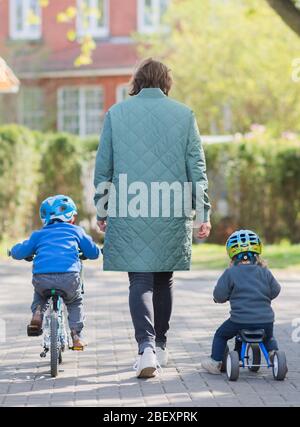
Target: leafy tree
{"points": [[232, 63], [288, 10], [69, 15]]}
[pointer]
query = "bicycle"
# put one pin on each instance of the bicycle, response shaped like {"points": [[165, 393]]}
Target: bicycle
{"points": [[54, 330]]}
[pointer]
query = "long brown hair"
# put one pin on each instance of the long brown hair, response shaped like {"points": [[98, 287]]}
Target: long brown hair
{"points": [[151, 73]]}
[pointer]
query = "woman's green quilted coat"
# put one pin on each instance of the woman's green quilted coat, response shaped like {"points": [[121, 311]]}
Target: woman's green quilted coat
{"points": [[150, 138]]}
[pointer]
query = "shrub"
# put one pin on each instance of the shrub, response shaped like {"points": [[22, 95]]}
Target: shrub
{"points": [[259, 178], [19, 175], [61, 168]]}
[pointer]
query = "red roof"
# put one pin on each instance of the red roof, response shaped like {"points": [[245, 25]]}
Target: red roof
{"points": [[106, 56]]}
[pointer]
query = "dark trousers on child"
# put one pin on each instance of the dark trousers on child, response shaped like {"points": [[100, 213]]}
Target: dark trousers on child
{"points": [[229, 330], [71, 284]]}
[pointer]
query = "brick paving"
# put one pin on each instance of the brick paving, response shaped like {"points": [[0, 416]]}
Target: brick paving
{"points": [[103, 376]]}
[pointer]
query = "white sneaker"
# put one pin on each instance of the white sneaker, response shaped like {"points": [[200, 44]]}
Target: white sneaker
{"points": [[146, 364], [162, 356], [211, 366]]}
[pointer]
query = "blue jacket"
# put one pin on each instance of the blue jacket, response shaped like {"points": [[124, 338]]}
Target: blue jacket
{"points": [[56, 248]]}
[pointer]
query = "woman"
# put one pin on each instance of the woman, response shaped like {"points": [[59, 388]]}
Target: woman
{"points": [[150, 144]]}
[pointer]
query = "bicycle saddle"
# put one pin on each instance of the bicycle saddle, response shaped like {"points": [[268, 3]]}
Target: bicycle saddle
{"points": [[58, 292], [252, 335]]}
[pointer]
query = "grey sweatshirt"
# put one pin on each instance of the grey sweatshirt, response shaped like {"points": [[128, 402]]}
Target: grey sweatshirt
{"points": [[249, 289]]}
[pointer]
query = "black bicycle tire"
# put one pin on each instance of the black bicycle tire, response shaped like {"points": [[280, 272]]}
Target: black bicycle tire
{"points": [[54, 344]]}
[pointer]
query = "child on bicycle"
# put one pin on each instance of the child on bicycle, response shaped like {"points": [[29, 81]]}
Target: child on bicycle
{"points": [[56, 263], [250, 287]]}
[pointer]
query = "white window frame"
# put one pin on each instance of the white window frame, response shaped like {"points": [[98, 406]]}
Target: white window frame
{"points": [[97, 32], [82, 107], [27, 118], [142, 27], [119, 91], [27, 33]]}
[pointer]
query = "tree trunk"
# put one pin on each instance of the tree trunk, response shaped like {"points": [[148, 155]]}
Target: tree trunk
{"points": [[288, 12]]}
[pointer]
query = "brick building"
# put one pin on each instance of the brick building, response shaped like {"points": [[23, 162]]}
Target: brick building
{"points": [[54, 93]]}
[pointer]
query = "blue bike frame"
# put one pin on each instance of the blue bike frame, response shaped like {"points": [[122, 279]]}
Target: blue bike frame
{"points": [[263, 350]]}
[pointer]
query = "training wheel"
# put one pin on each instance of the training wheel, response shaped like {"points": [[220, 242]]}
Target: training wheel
{"points": [[233, 366], [279, 366]]}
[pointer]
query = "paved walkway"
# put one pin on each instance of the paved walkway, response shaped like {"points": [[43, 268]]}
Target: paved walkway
{"points": [[102, 375]]}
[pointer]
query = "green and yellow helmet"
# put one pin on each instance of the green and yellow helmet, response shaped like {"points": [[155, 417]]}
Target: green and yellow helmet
{"points": [[243, 241]]}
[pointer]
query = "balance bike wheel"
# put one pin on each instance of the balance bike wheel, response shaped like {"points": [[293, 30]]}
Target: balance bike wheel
{"points": [[253, 357], [233, 366], [279, 366]]}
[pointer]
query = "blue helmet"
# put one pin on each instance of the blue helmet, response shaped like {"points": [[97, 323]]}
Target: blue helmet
{"points": [[242, 241], [60, 207]]}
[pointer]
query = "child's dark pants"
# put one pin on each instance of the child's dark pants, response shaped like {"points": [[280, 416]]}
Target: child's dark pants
{"points": [[71, 284], [229, 330]]}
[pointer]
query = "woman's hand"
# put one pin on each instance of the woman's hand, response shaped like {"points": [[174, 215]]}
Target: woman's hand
{"points": [[102, 226], [204, 230]]}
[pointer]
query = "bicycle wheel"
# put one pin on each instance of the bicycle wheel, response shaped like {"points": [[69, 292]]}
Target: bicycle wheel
{"points": [[54, 356]]}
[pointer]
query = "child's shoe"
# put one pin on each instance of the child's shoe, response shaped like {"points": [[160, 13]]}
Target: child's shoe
{"points": [[35, 327], [211, 366], [78, 342]]}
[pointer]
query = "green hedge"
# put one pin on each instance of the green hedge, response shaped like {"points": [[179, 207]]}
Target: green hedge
{"points": [[34, 166], [258, 178], [19, 178]]}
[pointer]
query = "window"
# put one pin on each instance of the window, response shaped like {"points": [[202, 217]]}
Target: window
{"points": [[31, 107], [92, 18], [80, 110], [151, 14], [122, 92], [25, 19]]}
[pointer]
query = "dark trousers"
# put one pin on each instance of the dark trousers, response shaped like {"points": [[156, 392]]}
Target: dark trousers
{"points": [[150, 302], [71, 284], [229, 330]]}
